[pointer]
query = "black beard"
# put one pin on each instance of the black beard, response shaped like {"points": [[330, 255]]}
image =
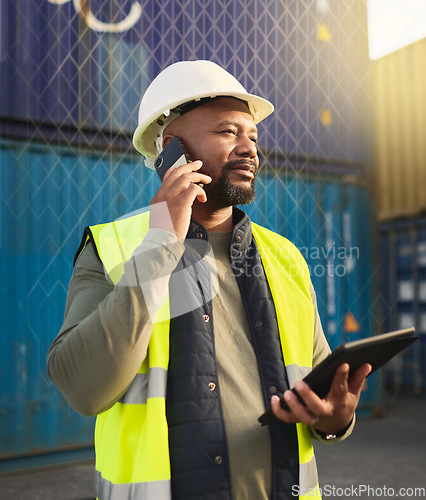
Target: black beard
{"points": [[227, 194]]}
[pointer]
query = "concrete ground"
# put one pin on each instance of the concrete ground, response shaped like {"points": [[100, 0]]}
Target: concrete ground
{"points": [[382, 456]]}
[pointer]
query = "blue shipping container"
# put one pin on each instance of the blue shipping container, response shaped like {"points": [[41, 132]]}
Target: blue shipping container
{"points": [[70, 88], [403, 257], [60, 66], [49, 194], [52, 192], [330, 221]]}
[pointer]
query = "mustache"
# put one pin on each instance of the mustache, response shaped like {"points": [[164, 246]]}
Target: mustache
{"points": [[229, 165]]}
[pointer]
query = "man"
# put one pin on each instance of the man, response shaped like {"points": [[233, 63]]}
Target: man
{"points": [[183, 325]]}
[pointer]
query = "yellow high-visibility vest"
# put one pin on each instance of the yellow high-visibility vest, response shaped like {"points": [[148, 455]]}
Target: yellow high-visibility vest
{"points": [[131, 438]]}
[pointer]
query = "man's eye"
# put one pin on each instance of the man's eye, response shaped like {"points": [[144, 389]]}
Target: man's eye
{"points": [[229, 131]]}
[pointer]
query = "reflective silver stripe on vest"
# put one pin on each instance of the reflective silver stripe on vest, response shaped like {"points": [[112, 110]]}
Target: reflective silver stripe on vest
{"points": [[295, 373], [146, 385], [308, 475], [151, 490]]}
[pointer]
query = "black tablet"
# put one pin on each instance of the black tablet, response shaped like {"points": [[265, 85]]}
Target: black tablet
{"points": [[376, 350]]}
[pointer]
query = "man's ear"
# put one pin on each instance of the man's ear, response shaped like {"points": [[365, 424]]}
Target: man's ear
{"points": [[167, 139]]}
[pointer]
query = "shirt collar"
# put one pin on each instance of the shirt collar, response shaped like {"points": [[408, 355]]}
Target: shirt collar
{"points": [[241, 236]]}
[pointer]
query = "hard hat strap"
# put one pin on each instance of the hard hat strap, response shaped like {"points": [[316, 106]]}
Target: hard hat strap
{"points": [[162, 124]]}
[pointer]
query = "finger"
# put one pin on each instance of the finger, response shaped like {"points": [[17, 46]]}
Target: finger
{"points": [[301, 412], [192, 191], [177, 186], [279, 412], [357, 379], [195, 178], [183, 169], [314, 405], [182, 177]]}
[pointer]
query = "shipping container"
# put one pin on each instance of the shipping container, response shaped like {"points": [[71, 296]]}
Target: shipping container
{"points": [[72, 79], [66, 68], [49, 194], [51, 197], [331, 220], [399, 104], [403, 256]]}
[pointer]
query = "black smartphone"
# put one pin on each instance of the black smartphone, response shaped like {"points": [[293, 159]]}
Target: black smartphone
{"points": [[172, 156]]}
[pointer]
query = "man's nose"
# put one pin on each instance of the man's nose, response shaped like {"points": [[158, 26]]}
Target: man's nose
{"points": [[246, 147]]}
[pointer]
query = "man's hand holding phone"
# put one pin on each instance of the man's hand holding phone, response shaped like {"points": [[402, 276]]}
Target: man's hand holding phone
{"points": [[171, 207]]}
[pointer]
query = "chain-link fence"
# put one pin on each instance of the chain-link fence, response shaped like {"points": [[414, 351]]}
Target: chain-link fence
{"points": [[72, 75]]}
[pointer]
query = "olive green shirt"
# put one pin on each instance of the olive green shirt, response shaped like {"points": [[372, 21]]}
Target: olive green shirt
{"points": [[106, 332]]}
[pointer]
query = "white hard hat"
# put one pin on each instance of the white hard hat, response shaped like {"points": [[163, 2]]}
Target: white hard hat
{"points": [[179, 84]]}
